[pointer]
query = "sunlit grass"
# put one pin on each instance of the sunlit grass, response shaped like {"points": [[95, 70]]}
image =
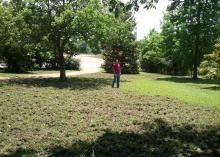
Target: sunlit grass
{"points": [[198, 92]]}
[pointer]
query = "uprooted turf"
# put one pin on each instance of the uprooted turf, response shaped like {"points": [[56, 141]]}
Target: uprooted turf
{"points": [[86, 117]]}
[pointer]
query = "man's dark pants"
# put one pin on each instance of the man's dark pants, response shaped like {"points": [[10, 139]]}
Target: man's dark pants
{"points": [[116, 79]]}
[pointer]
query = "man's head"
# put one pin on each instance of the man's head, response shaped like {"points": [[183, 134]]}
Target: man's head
{"points": [[116, 61]]}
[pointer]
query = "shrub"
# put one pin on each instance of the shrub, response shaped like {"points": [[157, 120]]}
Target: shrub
{"points": [[210, 67], [152, 62], [72, 64], [17, 60], [127, 55]]}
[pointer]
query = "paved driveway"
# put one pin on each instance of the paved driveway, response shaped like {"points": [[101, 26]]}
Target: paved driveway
{"points": [[88, 64]]}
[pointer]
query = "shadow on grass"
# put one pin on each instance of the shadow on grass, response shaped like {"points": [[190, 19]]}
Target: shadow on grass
{"points": [[6, 72], [158, 139], [189, 80], [21, 152], [79, 83], [212, 88]]}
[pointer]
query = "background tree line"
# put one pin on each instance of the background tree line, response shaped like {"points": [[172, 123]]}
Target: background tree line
{"points": [[190, 29], [39, 33], [34, 33]]}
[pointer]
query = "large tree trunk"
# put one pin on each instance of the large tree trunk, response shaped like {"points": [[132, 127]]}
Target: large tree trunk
{"points": [[196, 58], [197, 42], [62, 60]]}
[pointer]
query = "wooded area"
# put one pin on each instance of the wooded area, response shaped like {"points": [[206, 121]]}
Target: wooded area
{"points": [[47, 33]]}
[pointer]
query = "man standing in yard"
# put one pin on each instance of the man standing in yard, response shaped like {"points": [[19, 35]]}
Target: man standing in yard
{"points": [[117, 72]]}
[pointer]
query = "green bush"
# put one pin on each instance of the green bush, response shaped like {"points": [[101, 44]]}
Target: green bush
{"points": [[152, 62], [210, 66], [127, 55], [72, 64], [17, 60]]}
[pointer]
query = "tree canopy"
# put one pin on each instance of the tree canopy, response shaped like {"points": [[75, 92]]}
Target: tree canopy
{"points": [[189, 30], [37, 33]]}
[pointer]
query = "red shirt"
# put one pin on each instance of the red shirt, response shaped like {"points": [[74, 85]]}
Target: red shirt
{"points": [[116, 68]]}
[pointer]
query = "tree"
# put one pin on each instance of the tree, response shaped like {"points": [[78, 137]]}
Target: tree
{"points": [[210, 66], [15, 37], [44, 30], [199, 18], [116, 5], [119, 42], [66, 21], [176, 47], [151, 52]]}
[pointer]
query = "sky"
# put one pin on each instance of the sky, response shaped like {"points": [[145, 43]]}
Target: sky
{"points": [[149, 19]]}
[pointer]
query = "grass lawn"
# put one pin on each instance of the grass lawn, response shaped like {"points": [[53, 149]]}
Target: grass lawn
{"points": [[3, 74], [199, 92], [86, 117]]}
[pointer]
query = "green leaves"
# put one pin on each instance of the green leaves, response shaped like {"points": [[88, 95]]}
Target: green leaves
{"points": [[39, 27], [190, 29], [210, 66]]}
